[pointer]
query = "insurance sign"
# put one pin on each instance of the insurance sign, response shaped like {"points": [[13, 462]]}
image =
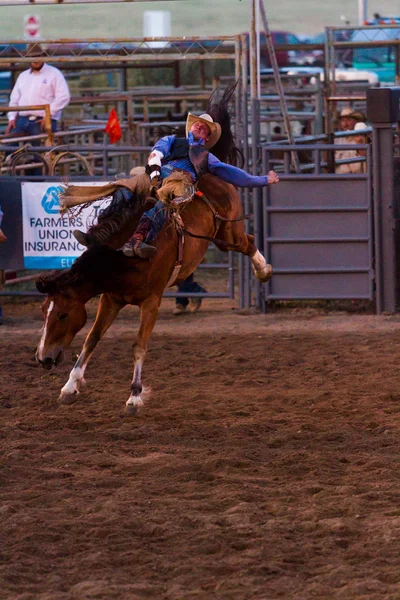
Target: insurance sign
{"points": [[48, 239]]}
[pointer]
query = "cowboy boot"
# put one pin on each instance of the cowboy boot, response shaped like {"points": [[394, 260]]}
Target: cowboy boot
{"points": [[136, 246]]}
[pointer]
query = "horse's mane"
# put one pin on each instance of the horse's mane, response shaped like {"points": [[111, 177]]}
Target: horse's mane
{"points": [[94, 265], [225, 149]]}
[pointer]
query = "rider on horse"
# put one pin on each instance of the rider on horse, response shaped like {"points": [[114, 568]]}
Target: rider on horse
{"points": [[190, 155]]}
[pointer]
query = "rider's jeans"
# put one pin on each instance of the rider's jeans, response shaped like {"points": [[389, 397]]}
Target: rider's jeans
{"points": [[158, 216]]}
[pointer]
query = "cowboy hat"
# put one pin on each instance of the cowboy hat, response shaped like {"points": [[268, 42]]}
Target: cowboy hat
{"points": [[35, 51], [215, 128], [353, 114]]}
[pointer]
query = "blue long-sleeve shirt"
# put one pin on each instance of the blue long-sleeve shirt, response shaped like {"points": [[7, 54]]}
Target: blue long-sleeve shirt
{"points": [[228, 173]]}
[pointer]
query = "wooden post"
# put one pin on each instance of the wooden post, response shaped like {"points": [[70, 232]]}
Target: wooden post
{"points": [[47, 126]]}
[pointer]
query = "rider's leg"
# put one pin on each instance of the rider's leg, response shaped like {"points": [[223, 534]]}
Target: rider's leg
{"points": [[149, 226]]}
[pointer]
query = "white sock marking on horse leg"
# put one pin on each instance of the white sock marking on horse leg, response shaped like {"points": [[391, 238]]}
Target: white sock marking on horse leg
{"points": [[258, 261], [44, 329], [74, 381], [261, 268], [136, 379]]}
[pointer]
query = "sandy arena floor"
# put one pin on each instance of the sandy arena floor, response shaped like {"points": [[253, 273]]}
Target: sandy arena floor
{"points": [[265, 463]]}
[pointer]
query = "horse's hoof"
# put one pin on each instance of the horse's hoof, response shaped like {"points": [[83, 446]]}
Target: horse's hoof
{"points": [[66, 399], [132, 410], [264, 274]]}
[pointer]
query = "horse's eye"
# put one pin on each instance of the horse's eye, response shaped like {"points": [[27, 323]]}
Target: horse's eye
{"points": [[62, 316]]}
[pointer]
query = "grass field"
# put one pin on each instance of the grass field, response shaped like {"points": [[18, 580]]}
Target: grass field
{"points": [[189, 17]]}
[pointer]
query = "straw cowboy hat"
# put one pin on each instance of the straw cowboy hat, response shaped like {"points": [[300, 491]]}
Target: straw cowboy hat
{"points": [[353, 114], [35, 51], [215, 128]]}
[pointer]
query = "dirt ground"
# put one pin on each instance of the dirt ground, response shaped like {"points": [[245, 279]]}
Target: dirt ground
{"points": [[265, 463]]}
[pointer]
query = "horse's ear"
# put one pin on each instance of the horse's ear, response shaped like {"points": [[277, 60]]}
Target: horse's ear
{"points": [[45, 287]]}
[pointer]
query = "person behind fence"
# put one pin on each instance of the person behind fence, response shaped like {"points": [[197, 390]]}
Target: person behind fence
{"points": [[38, 85], [188, 286], [360, 166], [348, 120], [172, 153]]}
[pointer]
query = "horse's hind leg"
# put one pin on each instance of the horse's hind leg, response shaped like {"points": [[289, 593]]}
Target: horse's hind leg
{"points": [[148, 316], [106, 313], [234, 233]]}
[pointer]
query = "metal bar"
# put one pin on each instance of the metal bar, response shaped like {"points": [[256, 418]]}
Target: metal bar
{"points": [[312, 209], [266, 248], [325, 240], [278, 82], [42, 2], [196, 295], [122, 59], [370, 223], [322, 270], [20, 279], [318, 297], [385, 268], [367, 44], [231, 275], [346, 98]]}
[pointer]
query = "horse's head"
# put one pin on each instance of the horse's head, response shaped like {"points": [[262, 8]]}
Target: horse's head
{"points": [[64, 315], [177, 189]]}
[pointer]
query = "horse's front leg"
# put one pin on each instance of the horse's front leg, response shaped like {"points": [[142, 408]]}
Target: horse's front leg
{"points": [[106, 313], [148, 316]]}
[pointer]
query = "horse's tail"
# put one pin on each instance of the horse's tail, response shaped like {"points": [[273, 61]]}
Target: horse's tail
{"points": [[225, 149]]}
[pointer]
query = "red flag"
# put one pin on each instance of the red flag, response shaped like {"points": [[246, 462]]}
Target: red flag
{"points": [[113, 127]]}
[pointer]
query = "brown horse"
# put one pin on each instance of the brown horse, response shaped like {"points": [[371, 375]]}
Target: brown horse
{"points": [[121, 281]]}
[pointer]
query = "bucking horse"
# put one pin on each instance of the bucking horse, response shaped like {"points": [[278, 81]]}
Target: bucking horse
{"points": [[211, 213]]}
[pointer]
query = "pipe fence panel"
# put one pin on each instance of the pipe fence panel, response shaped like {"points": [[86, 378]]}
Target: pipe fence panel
{"points": [[318, 237]]}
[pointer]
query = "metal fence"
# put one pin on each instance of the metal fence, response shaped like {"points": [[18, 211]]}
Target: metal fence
{"points": [[317, 231]]}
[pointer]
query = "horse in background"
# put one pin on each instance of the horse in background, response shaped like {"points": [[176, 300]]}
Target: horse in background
{"points": [[121, 281]]}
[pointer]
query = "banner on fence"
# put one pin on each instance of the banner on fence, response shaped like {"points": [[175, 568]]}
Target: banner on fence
{"points": [[48, 239]]}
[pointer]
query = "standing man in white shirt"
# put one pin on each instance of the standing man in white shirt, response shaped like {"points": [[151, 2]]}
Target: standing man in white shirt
{"points": [[40, 84]]}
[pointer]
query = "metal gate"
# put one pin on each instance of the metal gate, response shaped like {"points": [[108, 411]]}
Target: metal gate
{"points": [[317, 232]]}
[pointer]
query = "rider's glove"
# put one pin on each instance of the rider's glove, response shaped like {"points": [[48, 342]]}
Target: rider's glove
{"points": [[155, 176]]}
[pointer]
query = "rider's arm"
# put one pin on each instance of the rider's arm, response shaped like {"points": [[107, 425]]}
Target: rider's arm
{"points": [[159, 151], [163, 146], [234, 175]]}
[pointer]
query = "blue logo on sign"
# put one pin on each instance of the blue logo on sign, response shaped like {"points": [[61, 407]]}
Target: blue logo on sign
{"points": [[50, 201]]}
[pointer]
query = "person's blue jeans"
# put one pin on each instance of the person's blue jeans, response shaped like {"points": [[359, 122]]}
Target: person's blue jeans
{"points": [[30, 127], [188, 286]]}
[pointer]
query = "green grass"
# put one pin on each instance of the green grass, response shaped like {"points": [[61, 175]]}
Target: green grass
{"points": [[189, 17]]}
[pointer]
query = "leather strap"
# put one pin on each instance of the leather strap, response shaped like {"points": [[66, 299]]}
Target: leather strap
{"points": [[179, 226]]}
